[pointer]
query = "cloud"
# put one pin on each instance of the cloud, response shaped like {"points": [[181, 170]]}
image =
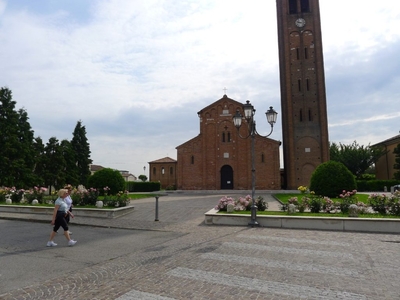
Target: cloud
{"points": [[137, 72]]}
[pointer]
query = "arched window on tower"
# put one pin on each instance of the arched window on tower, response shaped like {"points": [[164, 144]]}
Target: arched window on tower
{"points": [[301, 115], [309, 115], [305, 6], [171, 170], [262, 158], [192, 160], [223, 137], [292, 6], [162, 171]]}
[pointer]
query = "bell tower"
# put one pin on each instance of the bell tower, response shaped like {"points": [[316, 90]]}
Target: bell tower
{"points": [[303, 97]]}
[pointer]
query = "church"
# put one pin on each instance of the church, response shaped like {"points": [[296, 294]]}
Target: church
{"points": [[219, 159]]}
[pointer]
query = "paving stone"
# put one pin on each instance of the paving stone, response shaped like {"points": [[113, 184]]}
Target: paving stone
{"points": [[228, 262]]}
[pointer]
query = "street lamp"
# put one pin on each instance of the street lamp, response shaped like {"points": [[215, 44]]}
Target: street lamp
{"points": [[249, 112]]}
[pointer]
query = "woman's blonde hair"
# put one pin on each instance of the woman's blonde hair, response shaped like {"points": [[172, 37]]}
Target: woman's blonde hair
{"points": [[61, 192]]}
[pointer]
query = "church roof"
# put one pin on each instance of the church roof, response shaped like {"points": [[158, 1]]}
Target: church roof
{"points": [[163, 160], [189, 141], [224, 98]]}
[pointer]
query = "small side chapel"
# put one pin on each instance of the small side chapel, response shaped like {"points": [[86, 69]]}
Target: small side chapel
{"points": [[218, 158]]}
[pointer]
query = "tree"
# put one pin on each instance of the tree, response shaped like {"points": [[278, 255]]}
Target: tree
{"points": [[358, 159], [331, 178], [107, 178], [396, 165], [26, 150], [81, 149], [38, 169], [70, 169], [54, 164], [143, 178], [17, 153]]}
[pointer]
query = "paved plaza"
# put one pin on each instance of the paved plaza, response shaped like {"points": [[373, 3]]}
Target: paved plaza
{"points": [[178, 257]]}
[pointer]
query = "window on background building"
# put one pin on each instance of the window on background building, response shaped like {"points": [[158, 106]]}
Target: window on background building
{"points": [[154, 171], [171, 170], [223, 137], [162, 170], [192, 160], [262, 158]]}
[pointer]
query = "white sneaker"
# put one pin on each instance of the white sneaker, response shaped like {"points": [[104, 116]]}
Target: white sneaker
{"points": [[71, 242], [51, 244]]}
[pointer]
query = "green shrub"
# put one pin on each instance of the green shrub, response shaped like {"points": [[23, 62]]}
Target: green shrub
{"points": [[140, 186], [331, 178], [107, 178]]}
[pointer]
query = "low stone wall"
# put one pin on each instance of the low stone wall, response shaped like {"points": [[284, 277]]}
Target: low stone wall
{"points": [[311, 223], [81, 212]]}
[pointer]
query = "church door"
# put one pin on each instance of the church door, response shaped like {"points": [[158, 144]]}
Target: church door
{"points": [[226, 178]]}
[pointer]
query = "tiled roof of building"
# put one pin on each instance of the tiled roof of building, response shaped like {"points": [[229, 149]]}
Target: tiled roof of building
{"points": [[163, 160], [96, 168], [392, 140]]}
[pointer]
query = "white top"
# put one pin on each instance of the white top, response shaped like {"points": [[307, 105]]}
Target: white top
{"points": [[68, 200]]}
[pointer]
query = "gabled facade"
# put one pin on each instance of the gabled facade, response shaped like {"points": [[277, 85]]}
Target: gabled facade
{"points": [[384, 166], [219, 159]]}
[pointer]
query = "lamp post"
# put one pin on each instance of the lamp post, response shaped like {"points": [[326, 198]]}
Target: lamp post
{"points": [[249, 112]]}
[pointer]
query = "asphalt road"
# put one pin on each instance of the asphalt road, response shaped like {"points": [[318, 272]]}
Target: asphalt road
{"points": [[25, 259]]}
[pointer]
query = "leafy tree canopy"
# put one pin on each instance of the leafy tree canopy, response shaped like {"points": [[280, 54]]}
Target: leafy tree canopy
{"points": [[358, 159]]}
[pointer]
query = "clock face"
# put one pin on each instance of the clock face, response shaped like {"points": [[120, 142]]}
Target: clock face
{"points": [[300, 22]]}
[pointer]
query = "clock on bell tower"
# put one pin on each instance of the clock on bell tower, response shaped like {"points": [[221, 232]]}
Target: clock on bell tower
{"points": [[303, 97]]}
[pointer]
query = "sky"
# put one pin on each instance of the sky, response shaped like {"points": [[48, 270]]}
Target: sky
{"points": [[136, 72]]}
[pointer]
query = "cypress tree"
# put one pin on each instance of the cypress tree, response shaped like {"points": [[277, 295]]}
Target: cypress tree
{"points": [[82, 152]]}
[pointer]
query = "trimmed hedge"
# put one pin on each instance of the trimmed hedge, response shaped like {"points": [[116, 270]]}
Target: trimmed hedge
{"points": [[331, 178], [140, 186], [375, 185]]}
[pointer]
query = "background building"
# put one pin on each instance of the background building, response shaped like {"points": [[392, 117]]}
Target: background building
{"points": [[384, 166], [164, 171]]}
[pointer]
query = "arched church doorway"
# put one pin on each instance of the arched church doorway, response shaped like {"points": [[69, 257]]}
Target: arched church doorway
{"points": [[226, 178]]}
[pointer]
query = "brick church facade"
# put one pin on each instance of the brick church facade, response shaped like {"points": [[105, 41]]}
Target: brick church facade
{"points": [[219, 159]]}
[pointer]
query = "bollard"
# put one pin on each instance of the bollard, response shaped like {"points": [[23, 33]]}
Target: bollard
{"points": [[156, 209]]}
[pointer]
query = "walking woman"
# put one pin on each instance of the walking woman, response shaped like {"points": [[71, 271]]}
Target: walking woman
{"points": [[59, 219], [68, 200]]}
